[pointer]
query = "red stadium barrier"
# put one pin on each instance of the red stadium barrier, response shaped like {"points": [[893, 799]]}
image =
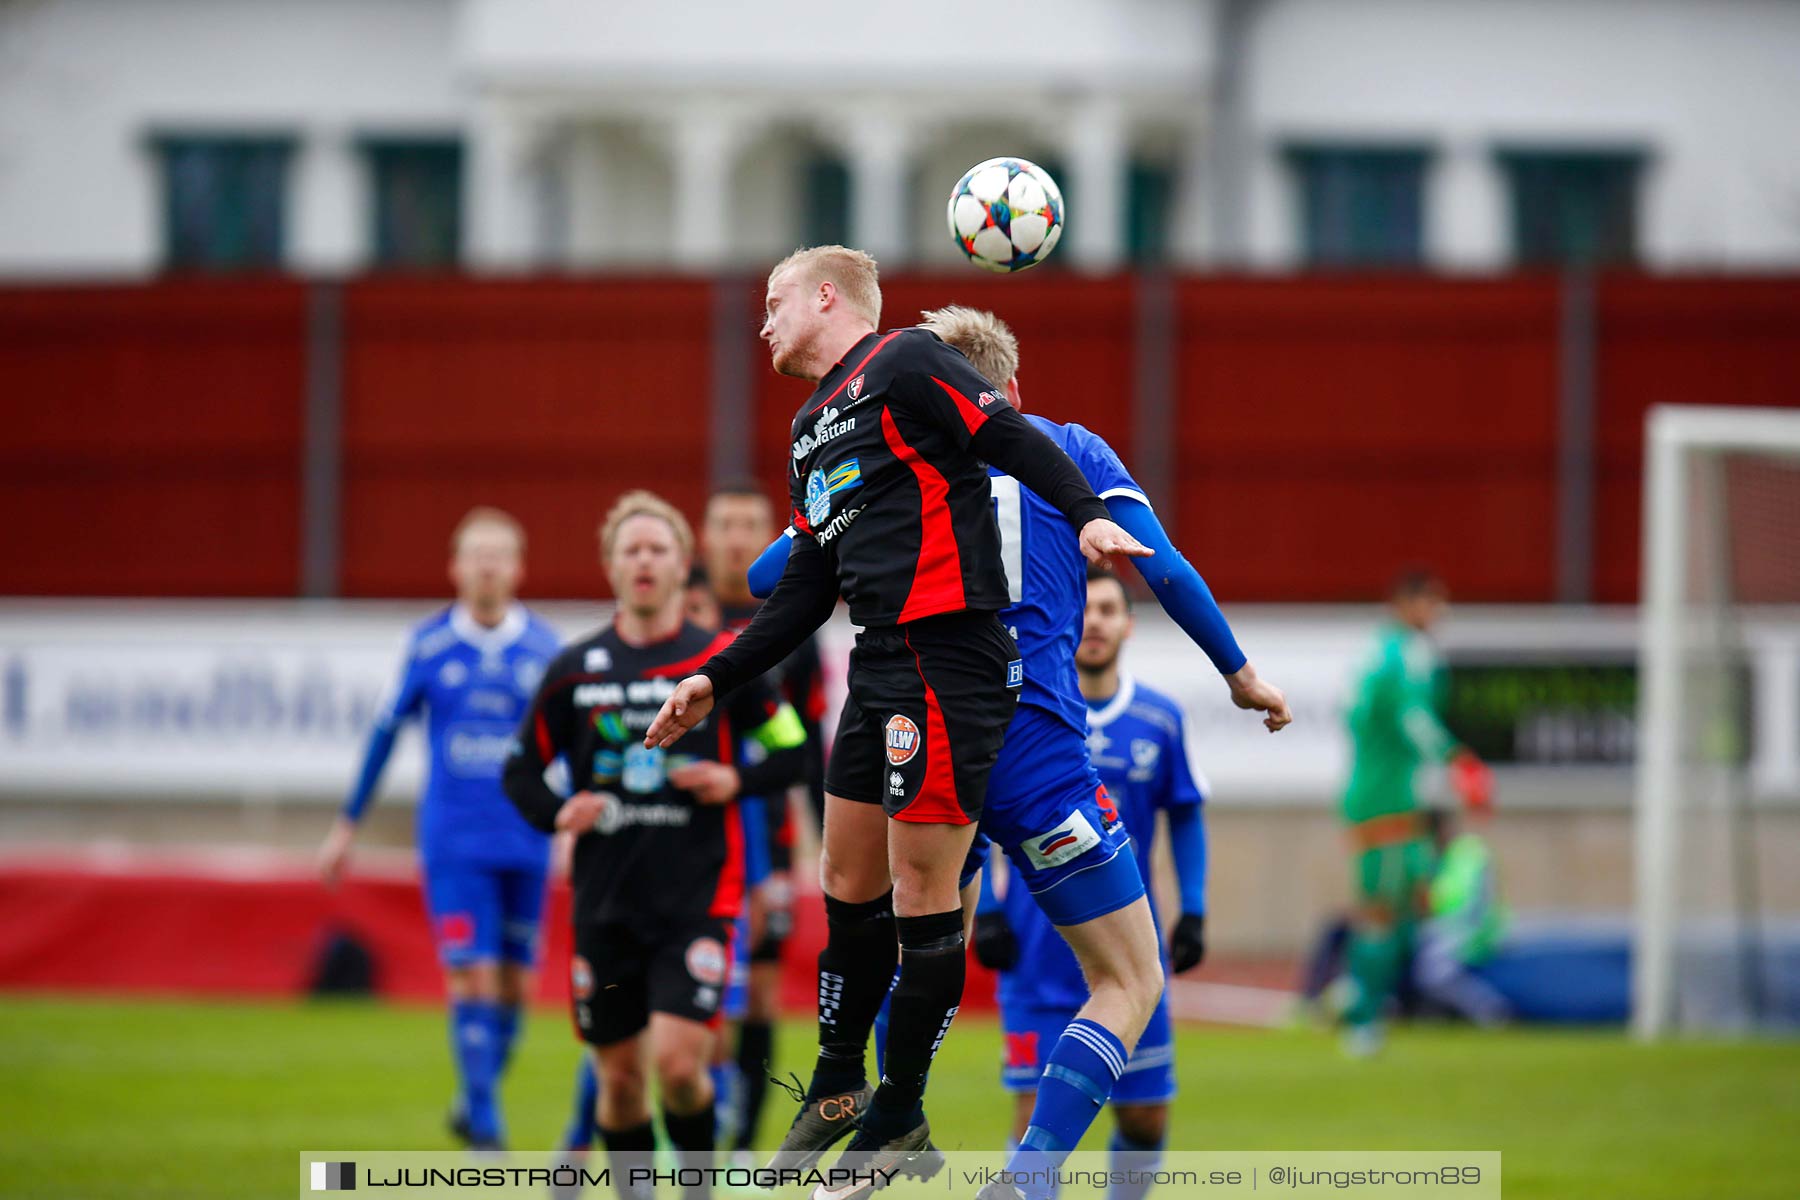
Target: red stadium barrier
{"points": [[254, 925], [1326, 429]]}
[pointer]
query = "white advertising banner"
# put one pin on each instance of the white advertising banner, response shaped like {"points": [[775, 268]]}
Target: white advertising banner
{"points": [[274, 699]]}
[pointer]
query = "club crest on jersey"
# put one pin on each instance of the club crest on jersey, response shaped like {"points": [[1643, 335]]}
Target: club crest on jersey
{"points": [[1067, 842], [706, 961], [854, 391], [822, 485], [902, 740]]}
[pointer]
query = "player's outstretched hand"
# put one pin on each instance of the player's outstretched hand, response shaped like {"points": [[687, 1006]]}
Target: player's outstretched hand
{"points": [[335, 851], [1101, 537], [580, 811], [710, 782], [1187, 949], [692, 700], [1247, 691]]}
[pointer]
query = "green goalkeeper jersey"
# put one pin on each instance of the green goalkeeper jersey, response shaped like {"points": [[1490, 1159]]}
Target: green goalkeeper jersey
{"points": [[1394, 723]]}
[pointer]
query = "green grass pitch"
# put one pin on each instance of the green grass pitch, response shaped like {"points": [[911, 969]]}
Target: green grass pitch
{"points": [[192, 1100]]}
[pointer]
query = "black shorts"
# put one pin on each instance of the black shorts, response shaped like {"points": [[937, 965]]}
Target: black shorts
{"points": [[619, 975], [928, 708]]}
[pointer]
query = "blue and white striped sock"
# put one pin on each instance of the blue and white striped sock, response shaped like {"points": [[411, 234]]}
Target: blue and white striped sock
{"points": [[1078, 1078]]}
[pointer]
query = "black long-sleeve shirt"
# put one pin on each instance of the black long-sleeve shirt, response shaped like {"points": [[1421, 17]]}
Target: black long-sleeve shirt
{"points": [[891, 502], [655, 853]]}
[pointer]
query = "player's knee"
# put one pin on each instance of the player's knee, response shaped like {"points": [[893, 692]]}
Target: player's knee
{"points": [[624, 1093], [515, 985], [1145, 1124], [472, 981], [682, 1078], [854, 877]]}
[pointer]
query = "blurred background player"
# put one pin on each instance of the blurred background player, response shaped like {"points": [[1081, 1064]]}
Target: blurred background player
{"points": [[1135, 743], [1465, 921], [658, 859], [737, 525], [471, 669], [701, 608], [1394, 730]]}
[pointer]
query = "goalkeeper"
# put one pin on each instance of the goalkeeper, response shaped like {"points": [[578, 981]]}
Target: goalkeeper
{"points": [[1394, 730]]}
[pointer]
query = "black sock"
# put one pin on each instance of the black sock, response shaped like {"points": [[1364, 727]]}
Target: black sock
{"points": [[626, 1149], [755, 1049], [854, 969], [932, 968], [693, 1138]]}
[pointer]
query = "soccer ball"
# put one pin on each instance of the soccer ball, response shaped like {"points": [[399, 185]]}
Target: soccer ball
{"points": [[1006, 214]]}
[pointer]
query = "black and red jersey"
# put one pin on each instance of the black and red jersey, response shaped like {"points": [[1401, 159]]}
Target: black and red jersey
{"points": [[655, 855], [888, 476], [890, 497]]}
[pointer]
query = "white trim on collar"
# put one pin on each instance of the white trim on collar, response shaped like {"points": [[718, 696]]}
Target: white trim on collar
{"points": [[489, 641], [1100, 718]]}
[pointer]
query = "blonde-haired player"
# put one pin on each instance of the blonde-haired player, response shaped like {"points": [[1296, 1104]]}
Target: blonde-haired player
{"points": [[888, 484], [469, 671], [658, 866]]}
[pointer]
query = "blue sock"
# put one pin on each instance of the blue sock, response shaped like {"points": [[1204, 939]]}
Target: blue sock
{"points": [[506, 1033], [1125, 1155], [1077, 1080], [881, 1023], [581, 1131], [725, 1099], [472, 1035]]}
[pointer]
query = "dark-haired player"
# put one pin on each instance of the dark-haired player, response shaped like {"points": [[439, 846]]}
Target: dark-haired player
{"points": [[737, 524]]}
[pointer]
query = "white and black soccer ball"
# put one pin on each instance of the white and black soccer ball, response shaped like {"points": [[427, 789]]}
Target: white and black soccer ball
{"points": [[1006, 214]]}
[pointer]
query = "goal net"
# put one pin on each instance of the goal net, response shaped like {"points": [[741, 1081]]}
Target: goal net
{"points": [[1718, 789]]}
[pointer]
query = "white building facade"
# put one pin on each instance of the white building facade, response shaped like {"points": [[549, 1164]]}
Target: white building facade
{"points": [[338, 135]]}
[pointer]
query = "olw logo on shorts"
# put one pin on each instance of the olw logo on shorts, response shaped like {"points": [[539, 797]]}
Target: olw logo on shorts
{"points": [[902, 739]]}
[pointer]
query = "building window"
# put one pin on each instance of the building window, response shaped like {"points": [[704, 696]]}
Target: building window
{"points": [[224, 201], [1361, 206], [1149, 198], [1573, 207], [825, 201], [416, 191]]}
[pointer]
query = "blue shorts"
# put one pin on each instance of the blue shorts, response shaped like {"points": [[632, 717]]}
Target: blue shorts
{"points": [[1031, 1034], [484, 914], [1048, 809]]}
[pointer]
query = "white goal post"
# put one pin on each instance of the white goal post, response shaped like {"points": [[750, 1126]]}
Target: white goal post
{"points": [[1721, 569]]}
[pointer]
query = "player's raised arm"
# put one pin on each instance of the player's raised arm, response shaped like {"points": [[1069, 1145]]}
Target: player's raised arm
{"points": [[950, 392], [401, 705]]}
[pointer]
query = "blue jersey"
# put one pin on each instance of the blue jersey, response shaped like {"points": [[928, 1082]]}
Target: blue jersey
{"points": [[1046, 573], [1135, 742], [473, 685]]}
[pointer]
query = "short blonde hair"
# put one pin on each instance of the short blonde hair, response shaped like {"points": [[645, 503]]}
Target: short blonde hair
{"points": [[983, 338], [641, 503], [488, 515], [853, 273]]}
